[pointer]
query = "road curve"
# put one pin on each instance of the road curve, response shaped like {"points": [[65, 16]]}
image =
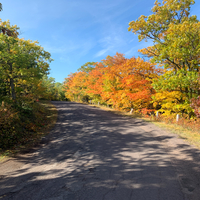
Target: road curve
{"points": [[92, 154]]}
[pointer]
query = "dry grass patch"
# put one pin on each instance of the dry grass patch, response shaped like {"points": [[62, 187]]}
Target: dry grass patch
{"points": [[119, 112], [192, 137]]}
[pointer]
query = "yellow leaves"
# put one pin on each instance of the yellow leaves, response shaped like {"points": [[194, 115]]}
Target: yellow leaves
{"points": [[138, 24], [170, 102], [13, 51]]}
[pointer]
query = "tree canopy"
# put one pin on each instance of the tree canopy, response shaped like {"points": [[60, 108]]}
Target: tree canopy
{"points": [[22, 63], [176, 37]]}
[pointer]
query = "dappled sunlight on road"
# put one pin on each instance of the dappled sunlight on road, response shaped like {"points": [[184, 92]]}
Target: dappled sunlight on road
{"points": [[97, 155]]}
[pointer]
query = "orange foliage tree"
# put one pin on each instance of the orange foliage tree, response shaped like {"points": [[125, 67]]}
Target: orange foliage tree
{"points": [[117, 81], [128, 84]]}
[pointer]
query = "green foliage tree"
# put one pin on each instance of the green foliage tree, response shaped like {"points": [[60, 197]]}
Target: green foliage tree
{"points": [[174, 32], [87, 67], [51, 90], [22, 63], [176, 37]]}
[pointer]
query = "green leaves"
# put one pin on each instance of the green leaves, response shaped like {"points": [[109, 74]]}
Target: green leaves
{"points": [[87, 67], [49, 89], [174, 33], [176, 38], [22, 62], [177, 81]]}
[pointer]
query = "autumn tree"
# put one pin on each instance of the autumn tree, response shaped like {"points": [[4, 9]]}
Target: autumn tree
{"points": [[22, 63], [85, 72], [94, 83], [176, 37], [83, 85], [127, 84], [87, 67], [111, 78], [117, 81], [174, 32], [75, 87], [49, 89]]}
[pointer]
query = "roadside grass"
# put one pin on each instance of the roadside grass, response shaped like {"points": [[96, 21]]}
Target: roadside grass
{"points": [[30, 129], [187, 132], [119, 112]]}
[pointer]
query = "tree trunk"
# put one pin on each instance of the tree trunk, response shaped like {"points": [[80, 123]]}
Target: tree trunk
{"points": [[12, 85], [12, 89]]}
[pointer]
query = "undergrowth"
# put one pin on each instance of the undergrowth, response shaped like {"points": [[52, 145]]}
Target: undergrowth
{"points": [[22, 125], [188, 124]]}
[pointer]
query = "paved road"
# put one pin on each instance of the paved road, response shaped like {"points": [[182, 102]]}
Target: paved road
{"points": [[93, 154]]}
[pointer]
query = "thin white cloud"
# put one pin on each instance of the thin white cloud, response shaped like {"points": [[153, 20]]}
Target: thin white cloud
{"points": [[112, 41], [101, 52], [66, 48], [64, 59]]}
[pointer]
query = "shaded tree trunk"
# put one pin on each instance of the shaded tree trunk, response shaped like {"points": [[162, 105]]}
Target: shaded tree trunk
{"points": [[12, 85]]}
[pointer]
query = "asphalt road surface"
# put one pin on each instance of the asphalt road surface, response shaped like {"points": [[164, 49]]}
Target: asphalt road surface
{"points": [[92, 154]]}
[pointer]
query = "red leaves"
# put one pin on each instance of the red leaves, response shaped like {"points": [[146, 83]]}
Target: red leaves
{"points": [[196, 106]]}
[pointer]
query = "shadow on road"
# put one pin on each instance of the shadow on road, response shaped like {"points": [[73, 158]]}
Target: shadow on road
{"points": [[95, 154]]}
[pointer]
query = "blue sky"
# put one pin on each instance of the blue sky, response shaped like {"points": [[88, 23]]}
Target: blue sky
{"points": [[79, 31]]}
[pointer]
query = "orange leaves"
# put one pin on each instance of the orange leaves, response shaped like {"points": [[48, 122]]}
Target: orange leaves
{"points": [[117, 81], [133, 79], [94, 80]]}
